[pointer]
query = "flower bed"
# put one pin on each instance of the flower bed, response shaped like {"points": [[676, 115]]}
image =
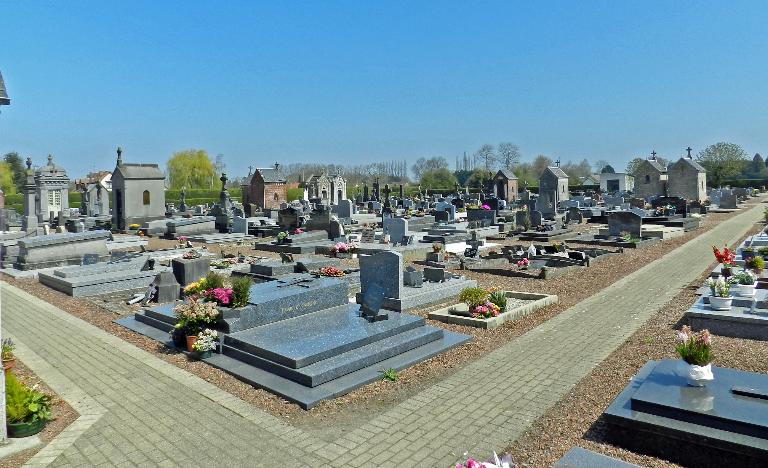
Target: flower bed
{"points": [[519, 304]]}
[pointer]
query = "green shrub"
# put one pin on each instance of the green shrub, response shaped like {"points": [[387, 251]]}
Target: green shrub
{"points": [[473, 296], [756, 263], [389, 375], [24, 404], [241, 287], [212, 280], [499, 298], [763, 251], [294, 194]]}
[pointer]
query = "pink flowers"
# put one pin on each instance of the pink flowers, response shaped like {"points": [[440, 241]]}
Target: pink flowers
{"points": [[523, 263], [222, 296], [486, 310], [297, 231], [485, 207]]}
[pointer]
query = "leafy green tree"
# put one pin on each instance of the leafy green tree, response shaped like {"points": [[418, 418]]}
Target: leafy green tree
{"points": [[439, 179], [477, 179], [6, 179], [462, 176], [722, 160], [757, 167], [191, 169], [17, 168], [607, 169]]}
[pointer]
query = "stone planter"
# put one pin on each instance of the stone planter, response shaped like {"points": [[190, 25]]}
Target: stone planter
{"points": [[187, 271], [720, 303], [747, 290], [19, 430], [203, 354]]}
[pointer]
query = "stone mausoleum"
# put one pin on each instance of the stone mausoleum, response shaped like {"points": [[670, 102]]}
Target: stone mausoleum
{"points": [[553, 188], [52, 191], [687, 179], [265, 189], [505, 185], [329, 189], [138, 193], [650, 178]]}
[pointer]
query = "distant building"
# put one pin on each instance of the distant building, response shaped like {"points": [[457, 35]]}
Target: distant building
{"points": [[592, 180], [329, 189], [4, 99], [616, 182], [687, 179], [265, 189], [94, 193], [505, 185], [553, 188], [650, 178], [52, 195], [138, 193]]}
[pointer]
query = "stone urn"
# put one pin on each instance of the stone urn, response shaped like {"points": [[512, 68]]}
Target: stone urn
{"points": [[720, 303]]}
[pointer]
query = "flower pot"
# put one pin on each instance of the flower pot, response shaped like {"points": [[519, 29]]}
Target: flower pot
{"points": [[698, 376], [203, 354], [19, 430], [747, 290], [178, 336], [8, 364], [720, 303], [190, 342], [726, 271]]}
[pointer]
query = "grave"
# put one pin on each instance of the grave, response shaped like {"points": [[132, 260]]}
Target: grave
{"points": [[189, 270], [519, 304], [728, 201], [190, 226], [301, 339], [620, 222], [724, 423], [272, 269], [61, 249], [386, 269], [101, 278]]}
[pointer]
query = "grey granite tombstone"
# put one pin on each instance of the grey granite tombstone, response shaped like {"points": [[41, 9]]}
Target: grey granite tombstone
{"points": [[624, 221], [728, 201], [413, 278], [370, 307], [187, 271], [384, 269], [345, 209], [397, 228], [167, 287], [90, 259], [536, 218], [435, 275]]}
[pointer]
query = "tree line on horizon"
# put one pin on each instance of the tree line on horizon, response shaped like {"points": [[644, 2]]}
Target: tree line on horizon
{"points": [[193, 169]]}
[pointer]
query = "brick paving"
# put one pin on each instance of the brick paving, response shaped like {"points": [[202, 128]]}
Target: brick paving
{"points": [[139, 410]]}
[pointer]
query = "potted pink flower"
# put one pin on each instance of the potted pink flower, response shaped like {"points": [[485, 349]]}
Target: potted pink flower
{"points": [[696, 350]]}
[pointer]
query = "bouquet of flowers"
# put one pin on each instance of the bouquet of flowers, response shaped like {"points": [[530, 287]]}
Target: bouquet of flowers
{"points": [[190, 254], [330, 271], [297, 231], [719, 287], [726, 257], [206, 341], [193, 315], [694, 348], [486, 310], [523, 264], [181, 240], [505, 461], [221, 296], [341, 247], [485, 207]]}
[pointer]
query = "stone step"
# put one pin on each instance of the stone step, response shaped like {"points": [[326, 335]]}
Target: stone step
{"points": [[162, 313], [153, 322], [308, 339], [344, 363]]}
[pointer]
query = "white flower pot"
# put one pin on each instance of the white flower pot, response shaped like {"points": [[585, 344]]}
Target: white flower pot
{"points": [[720, 303], [698, 376], [747, 290]]}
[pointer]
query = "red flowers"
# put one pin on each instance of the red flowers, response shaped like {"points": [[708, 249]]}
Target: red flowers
{"points": [[727, 256]]}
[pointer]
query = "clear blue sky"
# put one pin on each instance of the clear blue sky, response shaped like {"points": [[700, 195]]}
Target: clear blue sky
{"points": [[361, 81]]}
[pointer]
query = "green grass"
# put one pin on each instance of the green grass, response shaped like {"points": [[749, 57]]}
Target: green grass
{"points": [[389, 375]]}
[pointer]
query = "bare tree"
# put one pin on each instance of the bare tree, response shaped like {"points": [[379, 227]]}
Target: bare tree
{"points": [[486, 156], [508, 155]]}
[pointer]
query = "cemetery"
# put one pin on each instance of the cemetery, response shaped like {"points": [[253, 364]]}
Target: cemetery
{"points": [[376, 311]]}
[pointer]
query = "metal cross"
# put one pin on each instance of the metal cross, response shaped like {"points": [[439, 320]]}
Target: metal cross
{"points": [[689, 149], [653, 154]]}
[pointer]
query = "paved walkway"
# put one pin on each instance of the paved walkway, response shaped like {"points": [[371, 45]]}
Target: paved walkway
{"points": [[137, 409]]}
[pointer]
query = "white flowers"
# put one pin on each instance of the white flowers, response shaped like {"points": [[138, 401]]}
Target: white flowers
{"points": [[719, 287]]}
